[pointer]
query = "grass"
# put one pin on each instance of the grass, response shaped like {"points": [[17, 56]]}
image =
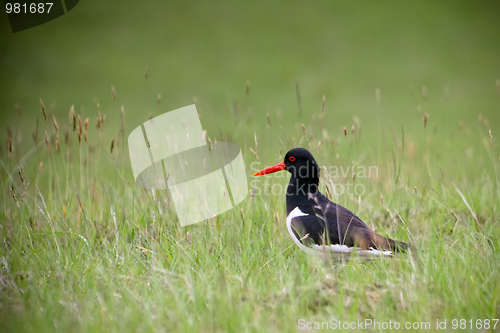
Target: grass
{"points": [[84, 249], [411, 90]]}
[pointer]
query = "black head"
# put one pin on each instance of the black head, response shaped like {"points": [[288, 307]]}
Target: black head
{"points": [[301, 164]]}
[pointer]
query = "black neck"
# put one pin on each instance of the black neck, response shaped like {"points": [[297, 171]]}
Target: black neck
{"points": [[299, 192]]}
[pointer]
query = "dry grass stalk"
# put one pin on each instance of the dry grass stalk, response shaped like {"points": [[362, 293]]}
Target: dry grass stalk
{"points": [[122, 128], [35, 133], [85, 129], [113, 93], [112, 145], [254, 153], [299, 99], [57, 131], [47, 142]]}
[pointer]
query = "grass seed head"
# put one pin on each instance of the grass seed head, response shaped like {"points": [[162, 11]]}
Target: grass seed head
{"points": [[112, 145], [322, 112], [9, 147], [20, 170], [98, 122], [71, 112], [73, 117], [345, 131], [426, 116], [44, 112], [113, 93], [55, 125], [80, 130]]}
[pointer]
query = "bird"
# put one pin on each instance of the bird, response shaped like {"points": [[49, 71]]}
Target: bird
{"points": [[319, 226]]}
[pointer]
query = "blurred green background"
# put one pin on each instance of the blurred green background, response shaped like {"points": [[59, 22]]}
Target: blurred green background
{"points": [[205, 52]]}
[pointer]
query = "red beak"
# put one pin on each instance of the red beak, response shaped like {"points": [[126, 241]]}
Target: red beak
{"points": [[277, 167]]}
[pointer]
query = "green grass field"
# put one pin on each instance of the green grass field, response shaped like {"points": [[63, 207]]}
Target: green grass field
{"points": [[411, 90]]}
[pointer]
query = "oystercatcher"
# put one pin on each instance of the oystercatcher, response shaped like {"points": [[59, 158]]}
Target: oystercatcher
{"points": [[319, 226]]}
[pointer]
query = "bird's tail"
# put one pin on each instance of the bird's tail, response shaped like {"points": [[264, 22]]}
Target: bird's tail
{"points": [[382, 242]]}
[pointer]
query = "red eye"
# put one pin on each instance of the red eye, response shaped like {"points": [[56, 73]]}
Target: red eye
{"points": [[291, 159]]}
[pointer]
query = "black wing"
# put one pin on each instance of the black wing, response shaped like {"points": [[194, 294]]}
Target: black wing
{"points": [[327, 223]]}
